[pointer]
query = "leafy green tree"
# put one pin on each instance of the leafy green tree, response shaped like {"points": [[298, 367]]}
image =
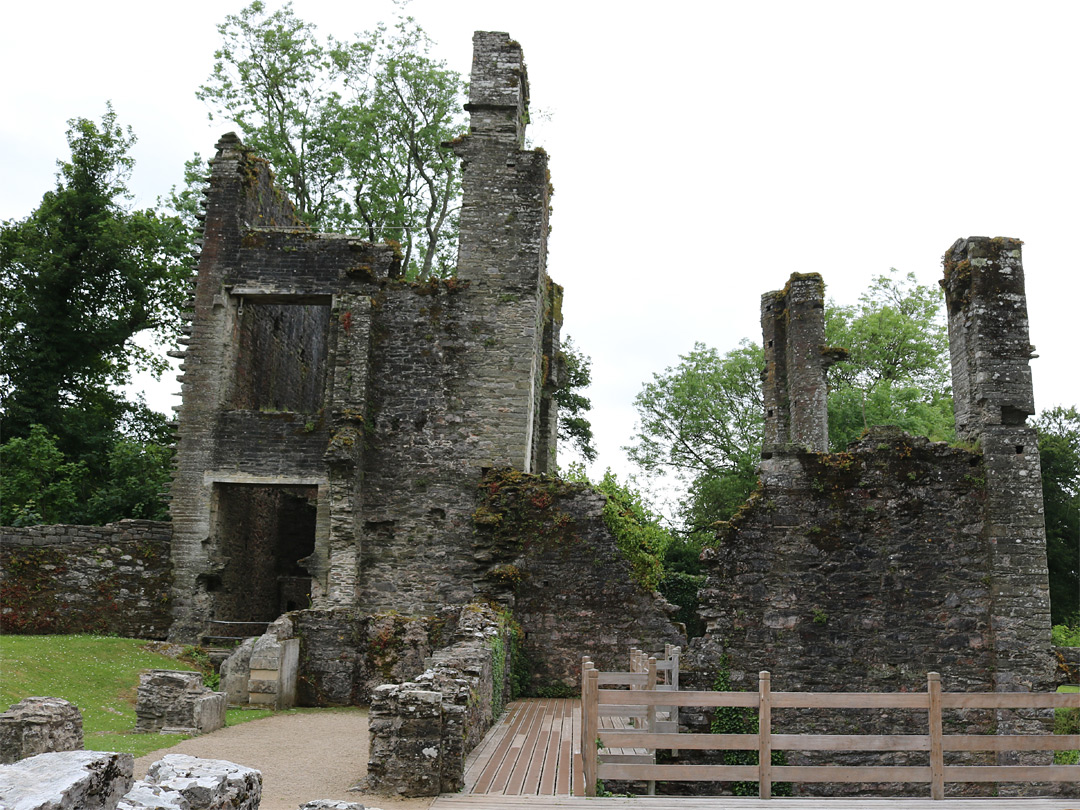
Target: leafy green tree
{"points": [[354, 128], [1059, 454], [575, 428], [897, 371], [83, 277], [700, 421], [38, 484]]}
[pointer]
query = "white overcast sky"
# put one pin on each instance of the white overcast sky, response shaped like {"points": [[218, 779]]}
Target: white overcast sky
{"points": [[700, 151]]}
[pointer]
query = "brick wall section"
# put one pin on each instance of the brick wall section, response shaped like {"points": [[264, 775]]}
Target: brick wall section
{"points": [[110, 579]]}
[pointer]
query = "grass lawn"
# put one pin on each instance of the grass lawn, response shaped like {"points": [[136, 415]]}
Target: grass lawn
{"points": [[99, 675]]}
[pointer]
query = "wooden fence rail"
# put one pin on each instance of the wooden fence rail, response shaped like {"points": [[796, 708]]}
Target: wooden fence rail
{"points": [[639, 702]]}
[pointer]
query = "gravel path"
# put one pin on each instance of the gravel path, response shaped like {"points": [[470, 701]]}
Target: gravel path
{"points": [[314, 755]]}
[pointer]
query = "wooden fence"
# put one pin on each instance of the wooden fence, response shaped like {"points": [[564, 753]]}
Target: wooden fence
{"points": [[642, 701]]}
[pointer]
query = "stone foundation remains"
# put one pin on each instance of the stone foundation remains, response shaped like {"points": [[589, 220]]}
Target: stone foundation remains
{"points": [[38, 725], [175, 702]]}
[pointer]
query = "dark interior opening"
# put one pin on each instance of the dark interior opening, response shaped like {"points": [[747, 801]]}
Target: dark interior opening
{"points": [[262, 534], [281, 356]]}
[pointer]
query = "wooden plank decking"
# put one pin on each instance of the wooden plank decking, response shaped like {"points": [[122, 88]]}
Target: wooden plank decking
{"points": [[462, 801], [531, 759]]}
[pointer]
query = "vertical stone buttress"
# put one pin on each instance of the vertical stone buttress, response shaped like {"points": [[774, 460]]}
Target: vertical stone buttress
{"points": [[793, 334], [992, 393], [502, 253]]}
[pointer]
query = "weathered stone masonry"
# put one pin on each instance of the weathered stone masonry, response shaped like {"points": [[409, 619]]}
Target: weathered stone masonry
{"points": [[112, 579], [864, 570], [336, 419]]}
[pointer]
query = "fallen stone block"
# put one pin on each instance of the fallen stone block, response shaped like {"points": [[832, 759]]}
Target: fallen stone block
{"points": [[206, 784], [143, 796], [332, 804], [66, 780], [38, 725], [177, 702]]}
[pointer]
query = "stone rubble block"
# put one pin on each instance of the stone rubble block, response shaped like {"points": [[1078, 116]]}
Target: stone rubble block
{"points": [[333, 804], [171, 701], [67, 780], [143, 796], [204, 784], [39, 725]]}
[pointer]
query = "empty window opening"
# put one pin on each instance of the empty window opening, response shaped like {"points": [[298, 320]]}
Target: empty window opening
{"points": [[280, 356], [263, 536]]}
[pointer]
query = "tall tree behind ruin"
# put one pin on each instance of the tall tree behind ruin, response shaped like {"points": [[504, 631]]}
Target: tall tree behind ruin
{"points": [[701, 420], [352, 128], [83, 275]]}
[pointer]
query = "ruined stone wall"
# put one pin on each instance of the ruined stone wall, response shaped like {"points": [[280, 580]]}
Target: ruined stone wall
{"points": [[344, 655], [311, 364], [111, 579], [422, 730], [546, 553], [864, 570]]}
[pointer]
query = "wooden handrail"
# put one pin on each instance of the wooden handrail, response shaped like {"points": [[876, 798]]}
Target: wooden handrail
{"points": [[638, 701]]}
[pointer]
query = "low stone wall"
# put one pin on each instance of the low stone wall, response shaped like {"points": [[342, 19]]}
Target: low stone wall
{"points": [[422, 730], [38, 725], [344, 654], [111, 579], [171, 701]]}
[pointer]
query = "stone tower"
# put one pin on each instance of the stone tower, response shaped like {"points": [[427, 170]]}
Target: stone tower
{"points": [[992, 394], [336, 419]]}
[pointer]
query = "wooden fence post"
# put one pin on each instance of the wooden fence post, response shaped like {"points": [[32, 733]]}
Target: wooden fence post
{"points": [[937, 757], [764, 735], [590, 725], [673, 682], [650, 713]]}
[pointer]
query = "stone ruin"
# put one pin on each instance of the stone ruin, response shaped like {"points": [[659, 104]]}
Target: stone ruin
{"points": [[38, 725], [338, 421], [97, 780], [176, 702], [347, 440], [866, 569]]}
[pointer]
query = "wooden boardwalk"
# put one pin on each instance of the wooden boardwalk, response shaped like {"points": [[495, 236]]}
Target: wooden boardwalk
{"points": [[533, 751], [531, 759]]}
